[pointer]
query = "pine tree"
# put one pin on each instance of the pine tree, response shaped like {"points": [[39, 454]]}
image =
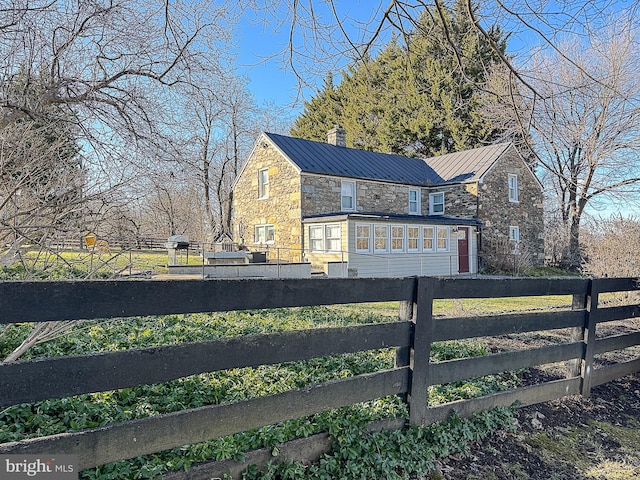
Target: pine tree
{"points": [[322, 113], [420, 97]]}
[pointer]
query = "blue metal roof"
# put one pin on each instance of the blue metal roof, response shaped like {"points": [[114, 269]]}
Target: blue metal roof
{"points": [[327, 159]]}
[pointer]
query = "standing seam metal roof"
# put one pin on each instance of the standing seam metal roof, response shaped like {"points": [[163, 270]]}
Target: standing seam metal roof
{"points": [[327, 159]]}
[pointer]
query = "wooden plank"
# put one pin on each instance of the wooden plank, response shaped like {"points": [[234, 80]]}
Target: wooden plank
{"points": [[614, 372], [65, 376], [491, 325], [524, 396], [455, 370], [507, 287], [81, 300], [148, 435], [605, 285], [306, 450], [611, 314], [616, 342], [423, 337]]}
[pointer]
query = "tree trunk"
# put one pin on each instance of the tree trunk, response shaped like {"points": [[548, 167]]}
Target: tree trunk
{"points": [[573, 257]]}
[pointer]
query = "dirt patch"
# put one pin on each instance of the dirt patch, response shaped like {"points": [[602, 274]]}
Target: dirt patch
{"points": [[572, 438]]}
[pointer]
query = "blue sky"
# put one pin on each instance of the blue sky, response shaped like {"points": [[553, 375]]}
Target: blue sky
{"points": [[260, 54]]}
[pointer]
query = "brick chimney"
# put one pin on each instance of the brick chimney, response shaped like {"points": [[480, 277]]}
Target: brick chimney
{"points": [[337, 136]]}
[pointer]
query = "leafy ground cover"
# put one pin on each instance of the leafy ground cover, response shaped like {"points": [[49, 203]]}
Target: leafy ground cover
{"points": [[536, 442], [347, 425]]}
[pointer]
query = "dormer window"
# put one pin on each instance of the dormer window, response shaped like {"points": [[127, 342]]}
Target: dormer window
{"points": [[436, 203], [263, 183], [348, 195]]}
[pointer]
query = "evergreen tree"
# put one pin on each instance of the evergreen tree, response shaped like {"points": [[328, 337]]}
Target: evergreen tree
{"points": [[322, 113], [420, 97]]}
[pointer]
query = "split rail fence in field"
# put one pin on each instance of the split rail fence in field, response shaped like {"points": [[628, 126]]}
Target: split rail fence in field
{"points": [[412, 335]]}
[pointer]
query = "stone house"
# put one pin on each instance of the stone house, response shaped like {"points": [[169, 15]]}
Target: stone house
{"points": [[364, 214]]}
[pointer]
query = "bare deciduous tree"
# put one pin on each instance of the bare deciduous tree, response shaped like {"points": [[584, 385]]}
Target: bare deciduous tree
{"points": [[583, 124]]}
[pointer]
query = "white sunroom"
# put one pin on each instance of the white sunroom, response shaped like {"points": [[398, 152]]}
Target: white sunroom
{"points": [[362, 245]]}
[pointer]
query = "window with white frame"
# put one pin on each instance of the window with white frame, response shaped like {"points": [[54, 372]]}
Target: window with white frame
{"points": [[325, 238], [442, 244], [436, 203], [381, 238], [427, 239], [333, 237], [413, 238], [514, 234], [363, 238], [264, 234], [316, 240], [263, 183], [513, 188], [414, 202], [397, 238], [348, 195]]}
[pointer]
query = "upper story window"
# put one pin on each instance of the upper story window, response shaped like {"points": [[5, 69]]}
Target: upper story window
{"points": [[414, 202], [263, 183], [436, 203], [513, 188], [264, 234], [348, 195]]}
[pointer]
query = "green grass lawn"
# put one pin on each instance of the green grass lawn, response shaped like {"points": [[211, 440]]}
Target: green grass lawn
{"points": [[86, 264], [464, 306]]}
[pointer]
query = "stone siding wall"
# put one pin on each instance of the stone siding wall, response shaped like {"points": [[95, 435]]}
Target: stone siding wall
{"points": [[322, 195], [281, 209], [460, 201], [497, 213]]}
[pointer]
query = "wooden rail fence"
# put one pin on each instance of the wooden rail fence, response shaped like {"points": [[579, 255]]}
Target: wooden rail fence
{"points": [[412, 335]]}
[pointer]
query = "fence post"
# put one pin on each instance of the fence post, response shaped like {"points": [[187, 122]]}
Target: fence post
{"points": [[579, 302], [406, 313], [422, 337], [589, 337]]}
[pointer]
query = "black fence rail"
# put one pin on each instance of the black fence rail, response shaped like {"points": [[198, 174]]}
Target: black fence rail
{"points": [[412, 335]]}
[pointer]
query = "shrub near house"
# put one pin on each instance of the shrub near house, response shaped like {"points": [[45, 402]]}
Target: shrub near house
{"points": [[374, 214]]}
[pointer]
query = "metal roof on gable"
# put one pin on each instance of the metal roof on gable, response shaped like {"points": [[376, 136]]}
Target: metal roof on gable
{"points": [[468, 165], [327, 159]]}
